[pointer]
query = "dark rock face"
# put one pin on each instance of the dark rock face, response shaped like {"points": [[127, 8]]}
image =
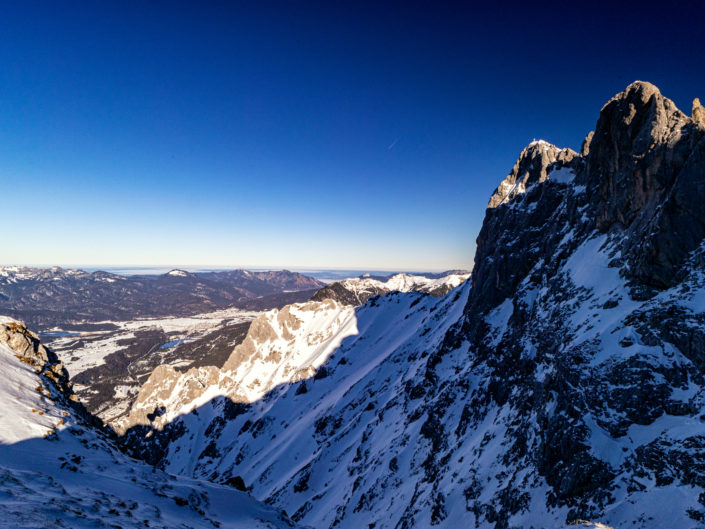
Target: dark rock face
{"points": [[644, 174], [530, 218], [237, 483]]}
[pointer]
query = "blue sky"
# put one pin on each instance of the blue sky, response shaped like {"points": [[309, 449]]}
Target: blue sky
{"points": [[299, 134]]}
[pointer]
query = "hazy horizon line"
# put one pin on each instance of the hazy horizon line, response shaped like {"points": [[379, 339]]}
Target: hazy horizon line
{"points": [[212, 268]]}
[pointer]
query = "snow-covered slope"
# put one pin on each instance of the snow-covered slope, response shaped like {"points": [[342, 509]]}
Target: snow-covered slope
{"points": [[587, 525], [566, 382], [281, 347], [354, 365], [57, 470]]}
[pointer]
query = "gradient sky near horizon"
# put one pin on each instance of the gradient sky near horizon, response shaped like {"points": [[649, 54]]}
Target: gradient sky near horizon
{"points": [[300, 134]]}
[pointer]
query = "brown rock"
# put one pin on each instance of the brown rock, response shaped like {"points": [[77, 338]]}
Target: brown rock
{"points": [[585, 149], [24, 342], [698, 112]]}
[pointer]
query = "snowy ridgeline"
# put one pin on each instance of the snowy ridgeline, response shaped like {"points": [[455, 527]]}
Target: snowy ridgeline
{"points": [[74, 299], [358, 290], [405, 283]]}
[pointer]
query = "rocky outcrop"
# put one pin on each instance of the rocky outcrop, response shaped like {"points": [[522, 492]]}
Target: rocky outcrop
{"points": [[51, 371], [32, 352], [532, 167], [585, 148], [698, 112], [642, 175]]}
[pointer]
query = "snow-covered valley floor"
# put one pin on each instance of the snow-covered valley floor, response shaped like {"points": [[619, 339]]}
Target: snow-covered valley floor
{"points": [[82, 350]]}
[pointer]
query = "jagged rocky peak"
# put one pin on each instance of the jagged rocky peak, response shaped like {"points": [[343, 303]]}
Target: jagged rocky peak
{"points": [[638, 177], [593, 290], [533, 166], [622, 162], [633, 122], [644, 178]]}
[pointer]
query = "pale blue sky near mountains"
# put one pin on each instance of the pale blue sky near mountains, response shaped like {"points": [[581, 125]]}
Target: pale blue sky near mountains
{"points": [[300, 134]]}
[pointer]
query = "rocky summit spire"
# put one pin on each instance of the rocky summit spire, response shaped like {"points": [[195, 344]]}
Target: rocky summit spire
{"points": [[531, 168], [632, 130], [630, 124], [698, 112]]}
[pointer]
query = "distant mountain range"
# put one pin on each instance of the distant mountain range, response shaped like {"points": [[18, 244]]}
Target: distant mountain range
{"points": [[48, 297]]}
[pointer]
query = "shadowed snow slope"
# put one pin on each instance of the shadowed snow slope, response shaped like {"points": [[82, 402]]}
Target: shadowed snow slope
{"points": [[58, 470], [360, 358]]}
